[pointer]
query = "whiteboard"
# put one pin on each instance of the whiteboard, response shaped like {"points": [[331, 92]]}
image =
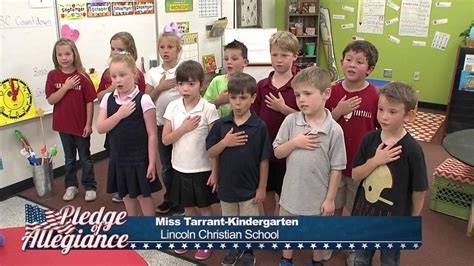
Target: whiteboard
{"points": [[95, 33], [257, 41], [27, 37]]}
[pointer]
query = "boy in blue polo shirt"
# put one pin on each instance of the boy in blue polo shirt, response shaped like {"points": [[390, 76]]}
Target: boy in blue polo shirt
{"points": [[242, 145]]}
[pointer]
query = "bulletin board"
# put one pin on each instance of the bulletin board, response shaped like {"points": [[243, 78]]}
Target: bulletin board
{"points": [[203, 13], [27, 35], [96, 22]]}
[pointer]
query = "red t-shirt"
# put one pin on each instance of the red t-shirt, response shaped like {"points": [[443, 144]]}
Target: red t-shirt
{"points": [[359, 122], [273, 119], [69, 114], [106, 81]]}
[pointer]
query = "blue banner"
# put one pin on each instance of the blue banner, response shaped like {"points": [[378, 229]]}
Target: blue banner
{"points": [[272, 232]]}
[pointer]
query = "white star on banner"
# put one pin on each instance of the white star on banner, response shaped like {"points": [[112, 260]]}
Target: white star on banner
{"points": [[158, 246], [274, 246], [197, 246], [402, 245], [171, 246], [416, 245], [210, 246], [313, 246], [133, 245], [184, 246], [377, 245], [351, 246], [364, 246], [287, 246], [300, 246], [145, 246], [236, 246], [222, 245], [248, 245], [261, 245], [326, 245], [338, 246], [390, 246]]}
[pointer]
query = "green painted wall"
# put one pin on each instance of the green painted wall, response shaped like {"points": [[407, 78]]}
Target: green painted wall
{"points": [[435, 66]]}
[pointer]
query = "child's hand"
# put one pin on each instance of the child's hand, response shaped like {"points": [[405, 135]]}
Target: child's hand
{"points": [[166, 84], [232, 139], [387, 154], [87, 131], [260, 196], [72, 82], [346, 106], [307, 141], [212, 182], [223, 98], [126, 109], [151, 172], [275, 103], [190, 123], [328, 207]]}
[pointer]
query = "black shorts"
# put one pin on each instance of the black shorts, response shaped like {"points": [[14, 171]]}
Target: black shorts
{"points": [[276, 172], [190, 190]]}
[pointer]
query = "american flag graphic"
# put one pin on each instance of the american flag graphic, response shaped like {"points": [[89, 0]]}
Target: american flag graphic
{"points": [[37, 218]]}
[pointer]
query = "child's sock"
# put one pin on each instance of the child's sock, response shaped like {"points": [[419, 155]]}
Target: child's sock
{"points": [[287, 260], [317, 262]]}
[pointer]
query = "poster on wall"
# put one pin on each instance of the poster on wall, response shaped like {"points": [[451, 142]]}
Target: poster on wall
{"points": [[415, 18], [178, 5], [370, 16]]}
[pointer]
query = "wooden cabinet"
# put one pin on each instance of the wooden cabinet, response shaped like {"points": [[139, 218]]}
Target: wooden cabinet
{"points": [[460, 113], [303, 21]]}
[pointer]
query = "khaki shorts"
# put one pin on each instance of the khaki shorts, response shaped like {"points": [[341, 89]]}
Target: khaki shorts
{"points": [[244, 208], [285, 212], [346, 193]]}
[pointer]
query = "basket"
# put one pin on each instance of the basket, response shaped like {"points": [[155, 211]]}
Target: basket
{"points": [[452, 197]]}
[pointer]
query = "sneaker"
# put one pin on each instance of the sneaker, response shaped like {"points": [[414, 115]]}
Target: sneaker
{"points": [[350, 258], [231, 258], [285, 262], [177, 210], [117, 198], [248, 259], [91, 195], [180, 251], [203, 254], [164, 207], [71, 192], [327, 254]]}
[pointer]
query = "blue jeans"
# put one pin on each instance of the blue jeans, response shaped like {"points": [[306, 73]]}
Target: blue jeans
{"points": [[72, 143], [165, 159], [387, 257]]}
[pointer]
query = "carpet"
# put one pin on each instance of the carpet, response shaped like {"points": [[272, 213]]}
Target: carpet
{"points": [[11, 254], [425, 126]]}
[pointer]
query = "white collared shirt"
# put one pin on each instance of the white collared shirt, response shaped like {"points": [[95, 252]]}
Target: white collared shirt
{"points": [[152, 78], [189, 152], [146, 101]]}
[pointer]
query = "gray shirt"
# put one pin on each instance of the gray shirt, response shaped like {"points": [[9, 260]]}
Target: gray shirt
{"points": [[306, 180]]}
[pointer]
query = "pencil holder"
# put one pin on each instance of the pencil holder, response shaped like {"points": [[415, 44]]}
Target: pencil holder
{"points": [[43, 178]]}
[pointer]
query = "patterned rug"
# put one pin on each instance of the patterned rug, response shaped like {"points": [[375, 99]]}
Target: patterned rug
{"points": [[425, 126]]}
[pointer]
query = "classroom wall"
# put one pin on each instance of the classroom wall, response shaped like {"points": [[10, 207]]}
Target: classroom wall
{"points": [[435, 66]]}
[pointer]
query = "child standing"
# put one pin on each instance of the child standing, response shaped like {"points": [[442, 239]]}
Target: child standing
{"points": [[235, 60], [241, 143], [161, 86], [393, 157], [187, 124], [354, 106], [313, 145], [72, 93], [120, 42], [128, 116], [275, 100]]}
